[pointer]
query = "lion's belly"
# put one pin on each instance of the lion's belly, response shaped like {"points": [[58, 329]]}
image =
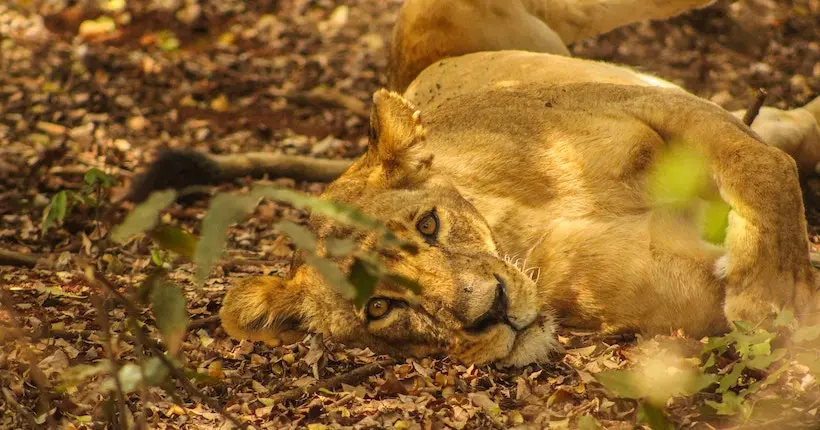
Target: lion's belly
{"points": [[648, 272], [636, 273]]}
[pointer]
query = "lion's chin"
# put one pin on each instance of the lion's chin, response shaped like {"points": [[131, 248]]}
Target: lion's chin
{"points": [[536, 344]]}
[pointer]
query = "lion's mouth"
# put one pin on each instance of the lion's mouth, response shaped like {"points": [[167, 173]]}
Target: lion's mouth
{"points": [[497, 314]]}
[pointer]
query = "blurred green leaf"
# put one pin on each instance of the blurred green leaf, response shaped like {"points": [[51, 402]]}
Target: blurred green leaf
{"points": [[156, 373], [729, 380], [224, 210], [620, 382], [678, 176], [144, 217], [167, 41], [169, 306], [653, 416], [731, 403], [364, 280], [715, 221], [56, 211], [318, 206], [95, 177], [301, 236], [339, 247], [174, 239], [588, 422], [333, 275]]}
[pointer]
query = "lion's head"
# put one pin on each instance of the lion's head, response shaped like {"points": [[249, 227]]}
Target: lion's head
{"points": [[474, 306]]}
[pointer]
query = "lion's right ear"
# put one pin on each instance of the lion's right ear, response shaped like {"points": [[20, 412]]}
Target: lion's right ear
{"points": [[396, 132], [265, 308]]}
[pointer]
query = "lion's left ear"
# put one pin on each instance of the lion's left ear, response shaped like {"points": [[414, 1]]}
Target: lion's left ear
{"points": [[396, 134]]}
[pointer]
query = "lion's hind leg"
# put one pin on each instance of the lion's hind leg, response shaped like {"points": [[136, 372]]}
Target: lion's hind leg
{"points": [[766, 266], [796, 132]]}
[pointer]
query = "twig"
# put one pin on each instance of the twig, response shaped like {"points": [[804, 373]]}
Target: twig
{"points": [[11, 258], [751, 113], [108, 347], [202, 322], [37, 375], [350, 378]]}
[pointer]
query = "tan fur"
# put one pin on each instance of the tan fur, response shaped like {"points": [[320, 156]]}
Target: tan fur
{"points": [[537, 167]]}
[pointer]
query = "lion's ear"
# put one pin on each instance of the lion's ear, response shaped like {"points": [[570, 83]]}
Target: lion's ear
{"points": [[265, 308], [396, 132]]}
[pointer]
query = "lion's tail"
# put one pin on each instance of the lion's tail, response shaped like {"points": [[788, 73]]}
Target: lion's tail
{"points": [[180, 169]]}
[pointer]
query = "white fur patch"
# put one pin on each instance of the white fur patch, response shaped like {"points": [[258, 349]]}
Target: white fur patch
{"points": [[535, 345], [721, 268]]}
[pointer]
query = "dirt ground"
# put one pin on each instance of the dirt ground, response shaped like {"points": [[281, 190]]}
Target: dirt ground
{"points": [[229, 76]]}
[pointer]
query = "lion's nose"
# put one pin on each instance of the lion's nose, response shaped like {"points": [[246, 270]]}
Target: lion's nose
{"points": [[498, 311], [497, 314]]}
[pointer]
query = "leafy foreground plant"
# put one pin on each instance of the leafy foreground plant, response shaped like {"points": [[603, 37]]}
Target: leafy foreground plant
{"points": [[731, 369], [167, 300]]}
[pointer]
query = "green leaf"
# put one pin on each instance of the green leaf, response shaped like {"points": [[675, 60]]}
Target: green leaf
{"points": [[56, 211], [155, 372], [224, 210], [730, 404], [174, 239], [144, 216], [75, 376], [405, 282], [96, 177], [678, 176], [714, 221], [158, 257], [709, 361], [765, 360], [730, 379], [318, 206], [718, 344], [301, 236], [339, 247], [130, 376], [333, 275], [167, 41], [807, 334], [588, 422], [363, 280], [653, 416], [168, 304], [620, 382]]}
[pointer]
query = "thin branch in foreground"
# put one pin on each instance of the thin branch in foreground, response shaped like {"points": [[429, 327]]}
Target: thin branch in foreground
{"points": [[353, 377], [751, 113], [37, 375], [95, 277], [11, 258], [108, 347]]}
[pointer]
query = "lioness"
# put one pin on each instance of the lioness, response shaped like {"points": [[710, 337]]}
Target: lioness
{"points": [[503, 150]]}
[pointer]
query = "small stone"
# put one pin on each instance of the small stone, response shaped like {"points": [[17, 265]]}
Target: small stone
{"points": [[122, 145], [51, 128], [137, 123]]}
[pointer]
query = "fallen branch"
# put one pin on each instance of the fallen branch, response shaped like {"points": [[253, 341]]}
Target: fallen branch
{"points": [[11, 258], [353, 377], [751, 113]]}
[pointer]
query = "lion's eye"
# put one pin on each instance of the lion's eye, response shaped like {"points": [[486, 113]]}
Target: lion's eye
{"points": [[428, 225], [377, 308]]}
